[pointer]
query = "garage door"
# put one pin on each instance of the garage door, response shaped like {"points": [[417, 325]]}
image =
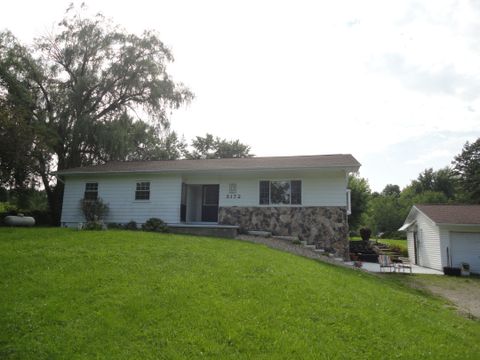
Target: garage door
{"points": [[466, 248]]}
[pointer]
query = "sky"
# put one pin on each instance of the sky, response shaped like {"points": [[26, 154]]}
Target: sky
{"points": [[396, 84]]}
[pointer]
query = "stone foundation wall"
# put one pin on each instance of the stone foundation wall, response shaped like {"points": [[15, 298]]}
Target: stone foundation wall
{"points": [[325, 227]]}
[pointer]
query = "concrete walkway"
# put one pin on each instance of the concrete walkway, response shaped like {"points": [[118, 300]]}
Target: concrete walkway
{"points": [[309, 252], [375, 267]]}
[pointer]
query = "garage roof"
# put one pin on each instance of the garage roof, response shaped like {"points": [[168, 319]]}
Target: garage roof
{"points": [[452, 214]]}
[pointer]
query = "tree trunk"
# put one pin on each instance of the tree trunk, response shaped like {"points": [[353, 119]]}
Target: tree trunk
{"points": [[55, 198], [56, 202]]}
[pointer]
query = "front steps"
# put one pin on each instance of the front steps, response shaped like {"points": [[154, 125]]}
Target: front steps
{"points": [[295, 241]]}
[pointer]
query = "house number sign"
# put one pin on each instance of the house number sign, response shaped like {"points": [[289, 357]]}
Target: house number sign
{"points": [[233, 196], [232, 192]]}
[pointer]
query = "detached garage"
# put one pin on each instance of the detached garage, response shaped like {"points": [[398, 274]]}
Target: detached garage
{"points": [[444, 235]]}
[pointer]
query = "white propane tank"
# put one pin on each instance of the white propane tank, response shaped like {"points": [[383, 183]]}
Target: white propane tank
{"points": [[19, 220]]}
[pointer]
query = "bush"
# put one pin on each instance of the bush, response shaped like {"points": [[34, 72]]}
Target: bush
{"points": [[93, 210], [94, 225], [365, 234], [155, 224], [131, 225], [113, 226], [7, 207]]}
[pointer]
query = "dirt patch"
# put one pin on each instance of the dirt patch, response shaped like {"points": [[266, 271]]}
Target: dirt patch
{"points": [[464, 293]]}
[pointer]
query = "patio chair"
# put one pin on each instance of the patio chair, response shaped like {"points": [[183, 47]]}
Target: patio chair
{"points": [[385, 262], [405, 264]]}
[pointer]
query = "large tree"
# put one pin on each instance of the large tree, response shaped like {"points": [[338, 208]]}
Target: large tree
{"points": [[443, 180], [77, 91], [467, 168], [210, 147]]}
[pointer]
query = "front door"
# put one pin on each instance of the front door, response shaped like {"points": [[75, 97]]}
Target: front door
{"points": [[210, 194]]}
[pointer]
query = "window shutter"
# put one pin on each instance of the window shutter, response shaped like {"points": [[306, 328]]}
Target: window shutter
{"points": [[264, 192], [296, 187]]}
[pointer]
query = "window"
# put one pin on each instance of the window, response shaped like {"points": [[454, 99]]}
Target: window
{"points": [[296, 188], [142, 192], [91, 191], [264, 192], [285, 192]]}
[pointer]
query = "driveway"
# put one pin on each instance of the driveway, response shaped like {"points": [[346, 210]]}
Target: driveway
{"points": [[463, 292]]}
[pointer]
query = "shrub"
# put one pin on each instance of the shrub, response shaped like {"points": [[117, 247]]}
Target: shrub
{"points": [[7, 207], [113, 226], [155, 224], [365, 234], [93, 210], [94, 225], [131, 225], [399, 249]]}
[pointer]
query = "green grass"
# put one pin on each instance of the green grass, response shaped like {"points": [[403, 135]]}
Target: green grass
{"points": [[66, 294]]}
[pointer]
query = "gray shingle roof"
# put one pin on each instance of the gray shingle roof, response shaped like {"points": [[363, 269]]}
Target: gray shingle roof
{"points": [[346, 161], [452, 214]]}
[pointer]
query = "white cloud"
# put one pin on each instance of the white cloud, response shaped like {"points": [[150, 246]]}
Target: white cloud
{"points": [[305, 77]]}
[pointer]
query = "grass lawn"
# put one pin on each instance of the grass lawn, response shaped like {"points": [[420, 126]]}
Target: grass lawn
{"points": [[134, 295]]}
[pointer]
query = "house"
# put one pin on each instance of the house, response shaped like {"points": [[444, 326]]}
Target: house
{"points": [[444, 235], [304, 196]]}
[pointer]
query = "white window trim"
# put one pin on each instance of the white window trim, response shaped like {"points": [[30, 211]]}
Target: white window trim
{"points": [[149, 191], [90, 191]]}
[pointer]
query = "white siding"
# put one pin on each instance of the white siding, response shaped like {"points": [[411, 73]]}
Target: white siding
{"points": [[119, 193], [319, 188], [428, 236], [410, 244], [444, 235], [325, 188]]}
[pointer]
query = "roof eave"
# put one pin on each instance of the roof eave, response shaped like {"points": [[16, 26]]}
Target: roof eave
{"points": [[172, 171], [462, 225]]}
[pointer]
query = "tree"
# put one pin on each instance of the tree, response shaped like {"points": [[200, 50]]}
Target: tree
{"points": [[126, 139], [75, 89], [391, 190], [359, 197], [386, 214], [466, 166], [210, 147], [443, 180]]}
